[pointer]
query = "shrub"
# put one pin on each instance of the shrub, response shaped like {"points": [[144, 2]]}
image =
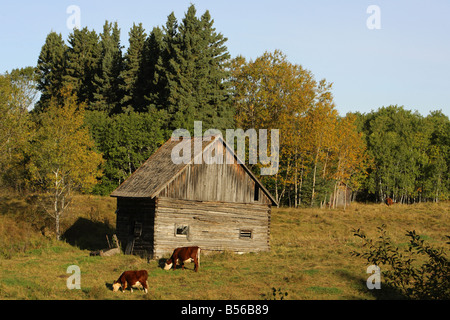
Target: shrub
{"points": [[418, 272]]}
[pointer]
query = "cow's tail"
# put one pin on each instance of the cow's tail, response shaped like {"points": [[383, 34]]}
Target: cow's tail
{"points": [[198, 256]]}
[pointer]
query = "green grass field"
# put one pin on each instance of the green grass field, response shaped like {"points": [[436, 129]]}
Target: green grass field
{"points": [[309, 258]]}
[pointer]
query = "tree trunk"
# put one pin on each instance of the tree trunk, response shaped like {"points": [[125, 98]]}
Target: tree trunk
{"points": [[313, 185], [58, 235], [314, 178], [296, 185], [55, 205], [300, 188], [345, 198], [276, 190]]}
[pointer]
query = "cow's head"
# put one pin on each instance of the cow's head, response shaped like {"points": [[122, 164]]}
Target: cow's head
{"points": [[168, 264], [116, 286]]}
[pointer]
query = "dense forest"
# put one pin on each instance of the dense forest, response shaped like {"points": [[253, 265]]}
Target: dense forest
{"points": [[92, 111]]}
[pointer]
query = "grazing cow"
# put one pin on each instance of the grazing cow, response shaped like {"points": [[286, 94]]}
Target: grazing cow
{"points": [[389, 201], [183, 255], [132, 279]]}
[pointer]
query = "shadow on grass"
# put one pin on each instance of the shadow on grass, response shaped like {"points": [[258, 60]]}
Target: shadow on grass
{"points": [[88, 235], [109, 285], [386, 292], [162, 263], [187, 266]]}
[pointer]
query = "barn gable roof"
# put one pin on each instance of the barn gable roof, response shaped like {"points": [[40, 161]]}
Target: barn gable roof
{"points": [[159, 170]]}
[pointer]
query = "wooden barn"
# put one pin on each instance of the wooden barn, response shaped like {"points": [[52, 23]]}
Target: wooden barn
{"points": [[164, 205]]}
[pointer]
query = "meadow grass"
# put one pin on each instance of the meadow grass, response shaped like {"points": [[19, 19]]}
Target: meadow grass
{"points": [[310, 257]]}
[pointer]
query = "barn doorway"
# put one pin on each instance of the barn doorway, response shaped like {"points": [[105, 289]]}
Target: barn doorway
{"points": [[135, 226]]}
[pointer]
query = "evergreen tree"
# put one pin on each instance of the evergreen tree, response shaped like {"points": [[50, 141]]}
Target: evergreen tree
{"points": [[218, 90], [108, 95], [50, 69], [192, 73], [83, 62], [167, 69], [132, 64], [188, 55], [148, 86]]}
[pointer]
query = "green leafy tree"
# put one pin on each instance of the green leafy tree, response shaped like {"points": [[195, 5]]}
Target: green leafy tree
{"points": [[436, 177], [16, 128], [410, 154], [391, 134], [126, 140]]}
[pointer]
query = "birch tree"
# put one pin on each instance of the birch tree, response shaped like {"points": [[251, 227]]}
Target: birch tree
{"points": [[349, 153], [62, 156]]}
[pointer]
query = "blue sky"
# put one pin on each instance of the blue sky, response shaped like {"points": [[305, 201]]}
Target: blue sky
{"points": [[406, 62]]}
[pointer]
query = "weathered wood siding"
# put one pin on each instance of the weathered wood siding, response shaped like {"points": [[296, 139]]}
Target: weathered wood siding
{"points": [[215, 182], [130, 211], [212, 225]]}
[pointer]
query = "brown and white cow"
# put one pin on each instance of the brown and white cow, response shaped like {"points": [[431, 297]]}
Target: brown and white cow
{"points": [[183, 255], [132, 279], [389, 201]]}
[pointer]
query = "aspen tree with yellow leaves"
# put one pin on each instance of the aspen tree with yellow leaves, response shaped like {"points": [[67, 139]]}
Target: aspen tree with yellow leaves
{"points": [[272, 93], [62, 156], [349, 152]]}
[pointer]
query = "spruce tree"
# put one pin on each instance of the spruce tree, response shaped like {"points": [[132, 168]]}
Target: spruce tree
{"points": [[83, 61], [108, 95], [167, 69], [192, 73], [190, 58], [217, 97], [132, 64], [50, 69], [148, 86]]}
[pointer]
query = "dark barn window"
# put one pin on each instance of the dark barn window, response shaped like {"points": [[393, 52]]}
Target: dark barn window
{"points": [[181, 230], [256, 195], [245, 234]]}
